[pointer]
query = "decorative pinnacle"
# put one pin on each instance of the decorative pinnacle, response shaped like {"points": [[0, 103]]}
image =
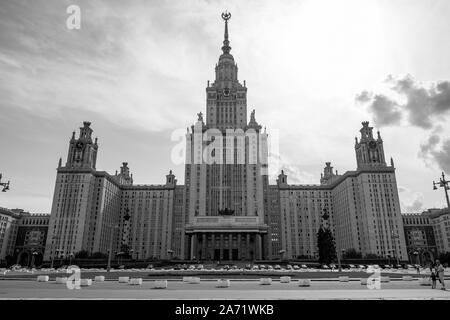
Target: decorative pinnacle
{"points": [[226, 44]]}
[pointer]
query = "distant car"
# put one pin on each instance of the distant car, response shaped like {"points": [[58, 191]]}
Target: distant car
{"points": [[177, 267], [324, 266], [122, 267], [16, 267], [277, 267], [255, 268], [234, 267], [270, 268], [304, 266], [361, 266], [333, 266], [289, 267], [296, 267], [226, 267], [262, 267], [352, 266], [199, 267], [191, 267], [248, 267]]}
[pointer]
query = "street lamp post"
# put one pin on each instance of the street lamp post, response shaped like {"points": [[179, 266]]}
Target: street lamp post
{"points": [[51, 251], [108, 268], [5, 185], [443, 184], [396, 236]]}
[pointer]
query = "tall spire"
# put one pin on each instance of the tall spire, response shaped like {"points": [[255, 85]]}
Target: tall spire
{"points": [[226, 44]]}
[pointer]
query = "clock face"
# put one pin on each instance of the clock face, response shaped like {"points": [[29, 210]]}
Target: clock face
{"points": [[372, 144], [226, 92], [79, 145]]}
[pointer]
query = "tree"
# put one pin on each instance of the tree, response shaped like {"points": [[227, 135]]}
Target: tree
{"points": [[326, 246], [99, 255], [83, 254], [352, 254]]}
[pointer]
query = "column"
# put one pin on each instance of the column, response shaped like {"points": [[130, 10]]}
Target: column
{"points": [[221, 246], [213, 245], [191, 238], [230, 246], [258, 247], [194, 241], [248, 247], [203, 246], [239, 245]]}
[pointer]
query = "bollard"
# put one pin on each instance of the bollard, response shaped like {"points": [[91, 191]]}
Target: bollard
{"points": [[136, 281], [223, 283], [304, 283], [85, 282], [42, 278], [265, 281], [194, 280], [61, 280], [285, 279], [99, 278], [124, 279], [160, 284], [425, 281]]}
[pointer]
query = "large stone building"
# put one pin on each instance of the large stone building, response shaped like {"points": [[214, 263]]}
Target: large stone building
{"points": [[419, 237], [226, 209], [22, 236]]}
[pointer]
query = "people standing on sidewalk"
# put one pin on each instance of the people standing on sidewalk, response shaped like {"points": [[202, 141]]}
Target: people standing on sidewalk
{"points": [[433, 275], [440, 272]]}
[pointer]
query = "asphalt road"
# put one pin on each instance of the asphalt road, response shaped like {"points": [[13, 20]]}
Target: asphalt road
{"points": [[207, 289]]}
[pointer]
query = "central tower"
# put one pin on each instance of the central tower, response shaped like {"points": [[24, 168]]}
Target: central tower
{"points": [[226, 105], [226, 172]]}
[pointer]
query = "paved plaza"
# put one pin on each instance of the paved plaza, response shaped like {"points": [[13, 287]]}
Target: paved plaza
{"points": [[207, 289]]}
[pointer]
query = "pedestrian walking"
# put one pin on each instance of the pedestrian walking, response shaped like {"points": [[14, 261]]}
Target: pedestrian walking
{"points": [[440, 273]]}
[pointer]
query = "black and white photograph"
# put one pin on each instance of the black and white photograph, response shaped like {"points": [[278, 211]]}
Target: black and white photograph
{"points": [[220, 157]]}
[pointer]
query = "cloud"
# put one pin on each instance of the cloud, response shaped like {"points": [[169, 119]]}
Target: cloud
{"points": [[412, 202], [431, 151], [418, 103]]}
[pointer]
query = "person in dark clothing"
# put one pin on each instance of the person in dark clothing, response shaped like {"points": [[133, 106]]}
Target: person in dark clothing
{"points": [[433, 275]]}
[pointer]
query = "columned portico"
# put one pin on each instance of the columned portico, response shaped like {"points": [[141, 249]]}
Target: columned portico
{"points": [[226, 238]]}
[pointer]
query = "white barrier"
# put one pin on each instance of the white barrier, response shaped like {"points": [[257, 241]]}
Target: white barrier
{"points": [[344, 279], [265, 281], [160, 284], [425, 281], [223, 283], [124, 279], [85, 282], [61, 280], [136, 281], [304, 283], [285, 279], [364, 281], [43, 278], [385, 279], [194, 280], [99, 278], [407, 278], [187, 279]]}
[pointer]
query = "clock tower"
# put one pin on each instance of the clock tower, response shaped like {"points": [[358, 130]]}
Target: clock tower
{"points": [[82, 151], [369, 151]]}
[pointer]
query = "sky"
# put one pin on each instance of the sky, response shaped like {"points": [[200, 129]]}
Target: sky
{"points": [[138, 70]]}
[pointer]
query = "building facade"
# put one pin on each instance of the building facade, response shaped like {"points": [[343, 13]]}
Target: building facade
{"points": [[226, 209], [440, 221], [420, 238]]}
